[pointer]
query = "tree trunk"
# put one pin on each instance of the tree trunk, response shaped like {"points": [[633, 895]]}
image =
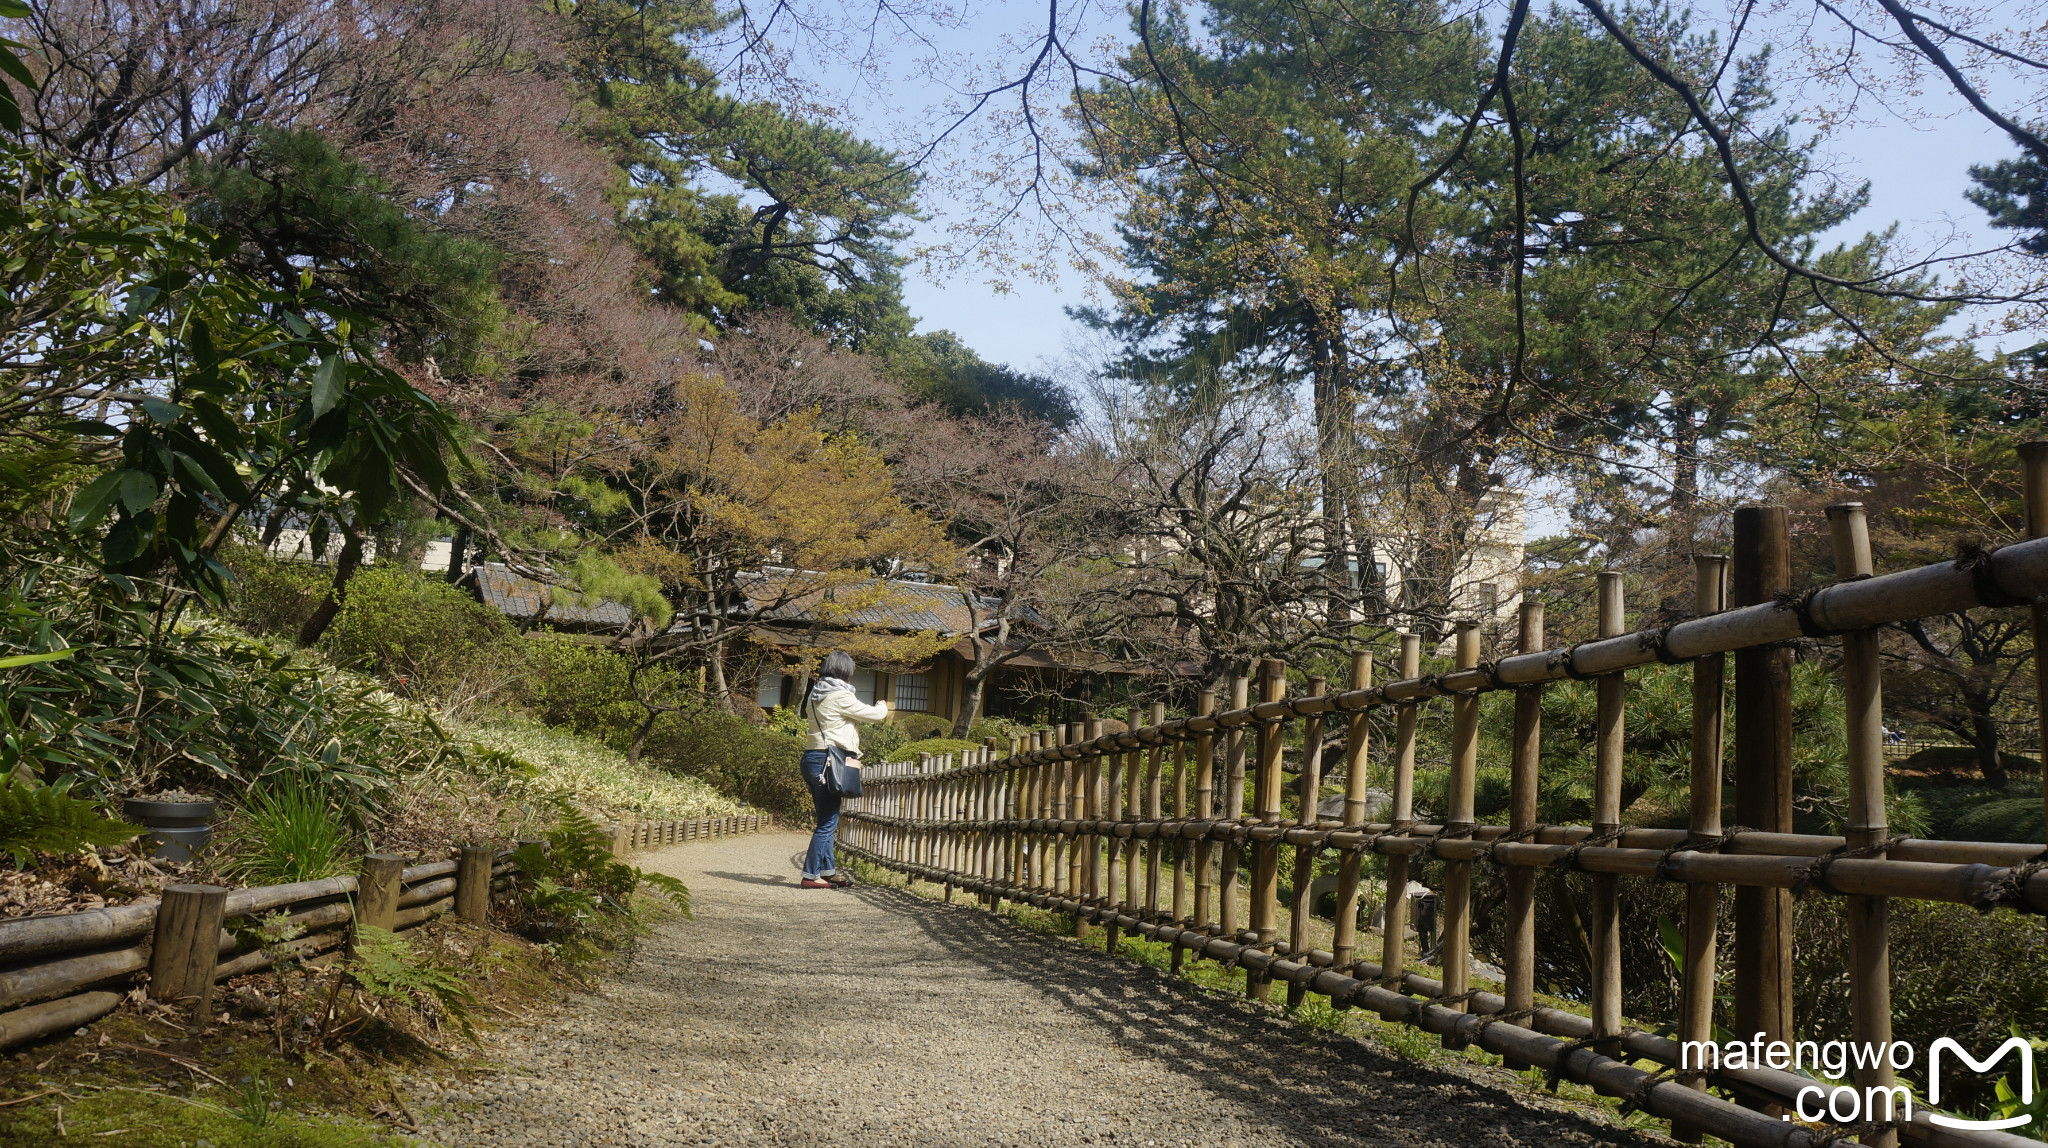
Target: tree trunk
{"points": [[970, 697], [1685, 467], [344, 569], [640, 737], [1984, 737], [458, 549], [719, 687], [274, 526]]}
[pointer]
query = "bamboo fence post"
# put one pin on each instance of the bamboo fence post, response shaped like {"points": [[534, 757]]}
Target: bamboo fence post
{"points": [[1697, 980], [1205, 808], [186, 948], [1266, 799], [1394, 917], [1610, 734], [1455, 952], [946, 794], [1097, 803], [1227, 879], [1180, 844], [1760, 570], [1088, 855], [1025, 846], [1018, 781], [1114, 863], [1866, 829], [1526, 752], [473, 884], [2034, 489], [1357, 779], [1154, 811], [1070, 810], [995, 847], [1136, 779], [1311, 788], [1041, 809], [377, 891]]}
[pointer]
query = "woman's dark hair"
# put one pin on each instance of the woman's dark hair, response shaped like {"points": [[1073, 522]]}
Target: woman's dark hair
{"points": [[837, 664]]}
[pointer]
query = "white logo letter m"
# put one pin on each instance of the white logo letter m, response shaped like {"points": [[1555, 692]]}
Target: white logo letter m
{"points": [[1934, 1080]]}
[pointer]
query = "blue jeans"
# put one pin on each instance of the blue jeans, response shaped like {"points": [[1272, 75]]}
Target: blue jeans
{"points": [[818, 860]]}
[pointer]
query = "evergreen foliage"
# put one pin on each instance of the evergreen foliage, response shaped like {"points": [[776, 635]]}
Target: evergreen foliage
{"points": [[37, 818]]}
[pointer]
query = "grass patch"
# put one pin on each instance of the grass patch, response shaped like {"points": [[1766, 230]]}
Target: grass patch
{"points": [[129, 1117], [562, 766], [144, 1077]]}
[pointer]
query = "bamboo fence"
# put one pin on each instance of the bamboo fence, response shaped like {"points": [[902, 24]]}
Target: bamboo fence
{"points": [[64, 970], [1145, 832]]}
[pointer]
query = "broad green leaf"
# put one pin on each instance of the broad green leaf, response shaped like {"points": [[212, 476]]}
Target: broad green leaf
{"points": [[9, 663], [138, 490], [162, 413], [91, 504], [330, 381]]}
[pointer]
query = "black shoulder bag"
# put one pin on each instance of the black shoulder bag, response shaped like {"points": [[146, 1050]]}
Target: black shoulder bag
{"points": [[842, 773]]}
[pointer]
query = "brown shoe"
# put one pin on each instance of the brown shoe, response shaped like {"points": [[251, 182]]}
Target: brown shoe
{"points": [[839, 880], [814, 883]]}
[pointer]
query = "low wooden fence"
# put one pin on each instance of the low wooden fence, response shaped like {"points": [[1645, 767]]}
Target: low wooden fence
{"points": [[61, 971], [1145, 831]]}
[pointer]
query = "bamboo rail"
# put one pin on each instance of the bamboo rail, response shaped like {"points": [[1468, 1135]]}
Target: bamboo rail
{"points": [[77, 958], [1044, 796]]}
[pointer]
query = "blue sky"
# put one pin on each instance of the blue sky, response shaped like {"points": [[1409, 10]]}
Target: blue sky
{"points": [[1917, 176], [1918, 172]]}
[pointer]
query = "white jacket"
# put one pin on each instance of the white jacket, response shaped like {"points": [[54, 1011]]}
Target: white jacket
{"points": [[832, 718]]}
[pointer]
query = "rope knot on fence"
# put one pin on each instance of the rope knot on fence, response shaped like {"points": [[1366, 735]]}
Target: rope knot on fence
{"points": [[2010, 890], [1514, 837], [1978, 559], [1570, 860], [1816, 873], [1702, 845]]}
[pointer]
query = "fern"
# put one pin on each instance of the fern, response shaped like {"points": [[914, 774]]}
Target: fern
{"points": [[578, 895], [45, 819], [386, 967]]}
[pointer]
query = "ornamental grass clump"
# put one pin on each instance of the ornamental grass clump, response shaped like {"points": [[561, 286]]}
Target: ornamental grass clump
{"points": [[289, 830]]}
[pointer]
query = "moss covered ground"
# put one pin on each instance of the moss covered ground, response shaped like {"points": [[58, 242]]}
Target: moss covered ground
{"points": [[148, 1077]]}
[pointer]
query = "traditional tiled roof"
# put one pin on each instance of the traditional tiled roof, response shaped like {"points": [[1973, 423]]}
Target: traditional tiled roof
{"points": [[517, 596], [899, 604]]}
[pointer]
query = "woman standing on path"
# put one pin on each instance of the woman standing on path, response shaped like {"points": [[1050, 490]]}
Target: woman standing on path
{"points": [[834, 708]]}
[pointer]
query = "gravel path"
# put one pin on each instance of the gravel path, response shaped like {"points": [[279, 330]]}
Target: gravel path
{"points": [[784, 1016]]}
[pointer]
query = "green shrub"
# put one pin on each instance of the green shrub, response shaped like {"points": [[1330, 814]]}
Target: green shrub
{"points": [[1975, 812], [2006, 819], [198, 706], [288, 831], [38, 818], [589, 689], [269, 596], [1001, 729], [424, 637], [921, 727], [752, 764], [909, 750]]}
